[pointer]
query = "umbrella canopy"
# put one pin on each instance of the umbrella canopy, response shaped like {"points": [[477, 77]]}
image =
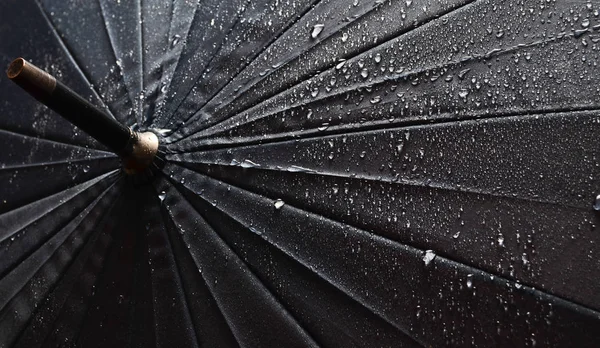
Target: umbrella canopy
{"points": [[332, 173]]}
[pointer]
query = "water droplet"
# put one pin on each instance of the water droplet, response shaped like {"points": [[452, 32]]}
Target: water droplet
{"points": [[249, 164], [314, 93], [86, 168], [279, 203], [364, 73], [296, 169], [377, 58], [175, 40], [585, 23], [317, 29], [376, 100], [254, 230], [501, 240], [463, 73], [344, 37], [162, 196], [340, 65], [456, 235], [463, 93], [162, 131], [428, 257], [597, 203], [469, 281]]}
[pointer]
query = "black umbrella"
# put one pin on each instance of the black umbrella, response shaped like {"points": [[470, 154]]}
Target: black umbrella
{"points": [[330, 173]]}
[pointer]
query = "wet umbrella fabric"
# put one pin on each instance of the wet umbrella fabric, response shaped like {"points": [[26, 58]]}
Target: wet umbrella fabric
{"points": [[338, 173]]}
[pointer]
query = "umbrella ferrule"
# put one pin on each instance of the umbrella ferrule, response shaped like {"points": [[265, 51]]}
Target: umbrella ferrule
{"points": [[34, 80]]}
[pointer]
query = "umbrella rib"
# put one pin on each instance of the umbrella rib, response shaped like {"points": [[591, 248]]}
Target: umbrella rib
{"points": [[114, 53], [317, 42], [67, 237], [81, 188], [246, 62], [168, 79], [399, 181], [316, 272], [169, 239], [296, 321], [59, 164], [265, 287], [498, 277], [53, 163], [94, 239], [237, 20], [397, 77], [53, 142], [321, 275], [370, 127], [169, 247], [415, 183], [367, 49], [267, 46], [71, 57], [141, 55], [217, 302]]}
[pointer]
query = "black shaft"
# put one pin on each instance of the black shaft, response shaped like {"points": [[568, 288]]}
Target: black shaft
{"points": [[83, 114], [88, 118]]}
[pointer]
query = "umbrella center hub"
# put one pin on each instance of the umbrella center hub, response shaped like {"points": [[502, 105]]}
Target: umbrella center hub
{"points": [[140, 152]]}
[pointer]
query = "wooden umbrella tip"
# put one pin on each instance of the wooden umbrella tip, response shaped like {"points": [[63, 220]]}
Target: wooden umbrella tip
{"points": [[15, 68]]}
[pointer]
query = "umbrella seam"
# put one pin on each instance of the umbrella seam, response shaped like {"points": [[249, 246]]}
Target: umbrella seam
{"points": [[285, 28], [126, 118], [325, 278], [71, 57], [369, 48], [409, 246], [267, 290], [107, 176], [339, 93]]}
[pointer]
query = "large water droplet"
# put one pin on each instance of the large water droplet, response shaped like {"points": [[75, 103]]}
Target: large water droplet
{"points": [[175, 40], [597, 203], [376, 100], [279, 203], [344, 37], [428, 257], [501, 240], [364, 73], [317, 29], [249, 164], [585, 23]]}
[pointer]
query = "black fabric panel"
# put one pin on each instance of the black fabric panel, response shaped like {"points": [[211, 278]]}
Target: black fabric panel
{"points": [[34, 40]]}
